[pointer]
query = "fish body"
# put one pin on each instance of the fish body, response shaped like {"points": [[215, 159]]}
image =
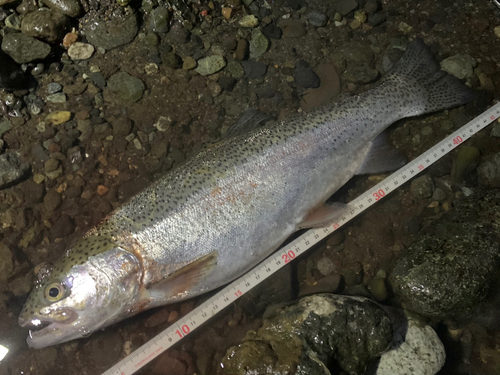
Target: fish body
{"points": [[226, 209]]}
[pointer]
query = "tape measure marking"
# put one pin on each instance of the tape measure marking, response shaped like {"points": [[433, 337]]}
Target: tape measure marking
{"points": [[187, 324]]}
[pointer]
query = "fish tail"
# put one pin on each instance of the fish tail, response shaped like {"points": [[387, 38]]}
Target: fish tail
{"points": [[434, 89]]}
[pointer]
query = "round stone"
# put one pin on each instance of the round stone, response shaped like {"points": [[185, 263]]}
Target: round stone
{"points": [[80, 51]]}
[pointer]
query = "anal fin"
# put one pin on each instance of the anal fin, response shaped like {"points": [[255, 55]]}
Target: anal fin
{"points": [[382, 157], [185, 278], [323, 215]]}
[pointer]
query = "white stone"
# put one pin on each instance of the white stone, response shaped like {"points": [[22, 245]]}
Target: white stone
{"points": [[80, 51]]}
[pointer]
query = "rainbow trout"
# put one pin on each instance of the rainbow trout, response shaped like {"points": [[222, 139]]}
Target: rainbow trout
{"points": [[229, 207]]}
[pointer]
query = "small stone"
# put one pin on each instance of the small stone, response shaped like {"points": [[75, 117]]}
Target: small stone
{"points": [[179, 34], [5, 126], [226, 12], [405, 28], [127, 87], [121, 127], [377, 19], [258, 45], [466, 159], [241, 50], [489, 172], [306, 78], [317, 19], [227, 83], [52, 200], [102, 190], [152, 39], [439, 195], [254, 69], [163, 124], [57, 98], [360, 16], [13, 21], [157, 318], [486, 82], [69, 39], [151, 69], [58, 117], [344, 7], [137, 144], [51, 165], [235, 69], [460, 66], [188, 63], [325, 266], [172, 317], [24, 48], [80, 51], [361, 74], [53, 88], [158, 20], [426, 130], [171, 60], [355, 24], [210, 65], [422, 187], [44, 24], [447, 125], [377, 288], [38, 178], [371, 6], [12, 168], [248, 21]]}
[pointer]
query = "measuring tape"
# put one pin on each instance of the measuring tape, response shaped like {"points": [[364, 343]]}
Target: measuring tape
{"points": [[187, 324]]}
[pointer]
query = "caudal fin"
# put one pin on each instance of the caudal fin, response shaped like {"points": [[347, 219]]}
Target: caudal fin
{"points": [[441, 90]]}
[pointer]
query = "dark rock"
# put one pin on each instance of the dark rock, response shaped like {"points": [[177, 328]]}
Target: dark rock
{"points": [[242, 50], [371, 6], [12, 168], [306, 78], [11, 75], [98, 80], [422, 187], [272, 31], [111, 33], [73, 192], [377, 19], [230, 43], [33, 192], [489, 172], [121, 127], [127, 87], [24, 48], [171, 60], [454, 262], [158, 20], [52, 200], [293, 29], [179, 34], [317, 19], [254, 69], [71, 8], [345, 7], [227, 83], [45, 24], [64, 226]]}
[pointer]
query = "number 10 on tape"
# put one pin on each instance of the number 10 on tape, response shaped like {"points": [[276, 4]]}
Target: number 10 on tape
{"points": [[236, 289]]}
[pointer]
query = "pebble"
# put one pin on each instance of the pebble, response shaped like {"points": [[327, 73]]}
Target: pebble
{"points": [[486, 82], [235, 69], [102, 190], [227, 83], [496, 30], [157, 318], [44, 24], [179, 34], [226, 12], [422, 187], [111, 33], [24, 48], [188, 63], [405, 28], [272, 31], [489, 171], [371, 6], [57, 117], [5, 126], [69, 39], [293, 29], [460, 66], [248, 21], [71, 8], [81, 51], [57, 98], [121, 127], [127, 87], [325, 266], [360, 16], [317, 19], [344, 7], [378, 289], [53, 88], [210, 65], [258, 44], [241, 50], [12, 168], [254, 69], [439, 195], [377, 19], [306, 78], [171, 60], [152, 39]]}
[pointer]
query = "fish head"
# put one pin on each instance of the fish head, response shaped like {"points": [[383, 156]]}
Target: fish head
{"points": [[75, 298]]}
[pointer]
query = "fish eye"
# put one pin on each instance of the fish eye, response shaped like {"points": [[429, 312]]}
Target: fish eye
{"points": [[54, 292]]}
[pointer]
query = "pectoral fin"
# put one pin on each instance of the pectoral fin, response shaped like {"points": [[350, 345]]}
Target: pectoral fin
{"points": [[323, 215], [382, 157], [185, 278], [250, 120]]}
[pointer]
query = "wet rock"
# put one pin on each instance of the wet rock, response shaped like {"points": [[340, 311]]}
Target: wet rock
{"points": [[461, 66], [454, 261], [248, 21], [292, 28], [64, 226], [12, 168], [210, 65], [24, 48], [312, 334], [417, 350], [6, 262], [465, 161], [254, 69], [422, 187], [128, 88], [158, 20], [80, 51], [489, 171], [51, 165], [44, 24], [306, 78], [188, 63], [344, 7], [377, 19], [317, 19], [52, 200], [11, 75], [258, 45], [71, 8], [111, 33]]}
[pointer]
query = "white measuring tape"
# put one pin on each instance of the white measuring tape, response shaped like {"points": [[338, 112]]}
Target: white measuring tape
{"points": [[187, 324]]}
